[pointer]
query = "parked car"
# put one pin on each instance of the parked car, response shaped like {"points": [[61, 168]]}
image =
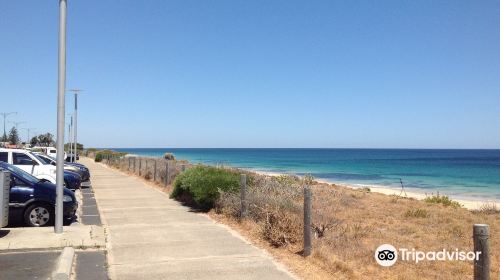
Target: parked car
{"points": [[30, 163], [51, 151], [69, 158], [81, 169], [32, 201]]}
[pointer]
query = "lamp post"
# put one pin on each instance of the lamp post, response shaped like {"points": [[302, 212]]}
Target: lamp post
{"points": [[16, 124], [61, 89], [28, 130], [5, 115], [70, 143], [75, 128]]}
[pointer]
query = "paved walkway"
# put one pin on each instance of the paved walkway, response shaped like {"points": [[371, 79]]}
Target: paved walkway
{"points": [[150, 236]]}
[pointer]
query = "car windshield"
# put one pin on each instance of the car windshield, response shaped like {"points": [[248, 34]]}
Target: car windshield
{"points": [[41, 159], [23, 174]]}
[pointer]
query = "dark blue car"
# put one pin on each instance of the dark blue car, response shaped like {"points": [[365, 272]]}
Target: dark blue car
{"points": [[32, 201]]}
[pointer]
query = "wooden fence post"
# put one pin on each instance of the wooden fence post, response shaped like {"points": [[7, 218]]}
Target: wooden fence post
{"points": [[154, 173], [128, 164], [481, 234], [140, 166], [167, 175], [243, 193], [307, 221]]}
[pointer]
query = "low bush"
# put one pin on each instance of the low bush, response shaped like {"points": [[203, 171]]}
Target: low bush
{"points": [[98, 157], [442, 199], [169, 156], [204, 184], [417, 213], [102, 154]]}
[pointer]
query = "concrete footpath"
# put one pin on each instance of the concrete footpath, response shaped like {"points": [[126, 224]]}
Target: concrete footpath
{"points": [[150, 236]]}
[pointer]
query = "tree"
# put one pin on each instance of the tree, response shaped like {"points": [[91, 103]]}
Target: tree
{"points": [[79, 147], [13, 136], [34, 141], [46, 139]]}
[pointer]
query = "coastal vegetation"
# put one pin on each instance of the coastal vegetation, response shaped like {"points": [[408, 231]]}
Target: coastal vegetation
{"points": [[348, 224], [442, 199], [203, 185]]}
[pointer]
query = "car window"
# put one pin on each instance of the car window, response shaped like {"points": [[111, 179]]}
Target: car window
{"points": [[4, 156], [17, 182], [21, 173], [42, 159], [22, 159]]}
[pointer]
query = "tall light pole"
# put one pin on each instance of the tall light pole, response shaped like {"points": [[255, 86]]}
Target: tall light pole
{"points": [[61, 90], [28, 130], [5, 115], [75, 128], [16, 124], [70, 143]]}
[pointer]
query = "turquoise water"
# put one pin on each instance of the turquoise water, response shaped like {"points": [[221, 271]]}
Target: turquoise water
{"points": [[473, 174]]}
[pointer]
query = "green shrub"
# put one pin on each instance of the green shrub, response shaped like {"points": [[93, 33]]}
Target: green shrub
{"points": [[98, 157], [442, 199], [417, 213], [169, 156], [203, 184]]}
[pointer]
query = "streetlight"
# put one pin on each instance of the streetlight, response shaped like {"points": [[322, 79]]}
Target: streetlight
{"points": [[75, 131], [70, 143], [5, 115], [61, 89], [28, 130]]}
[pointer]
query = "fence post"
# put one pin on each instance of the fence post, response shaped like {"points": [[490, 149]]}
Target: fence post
{"points": [[154, 173], [128, 164], [167, 175], [140, 166], [243, 193], [134, 165], [307, 221], [183, 167], [481, 234]]}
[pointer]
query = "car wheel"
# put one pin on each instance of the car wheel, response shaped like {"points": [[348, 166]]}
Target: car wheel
{"points": [[38, 215]]}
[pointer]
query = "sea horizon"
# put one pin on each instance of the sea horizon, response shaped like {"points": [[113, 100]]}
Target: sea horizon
{"points": [[471, 174]]}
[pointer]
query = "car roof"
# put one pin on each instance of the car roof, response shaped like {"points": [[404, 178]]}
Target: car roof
{"points": [[13, 150]]}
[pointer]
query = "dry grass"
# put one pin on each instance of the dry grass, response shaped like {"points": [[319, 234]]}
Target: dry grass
{"points": [[350, 224]]}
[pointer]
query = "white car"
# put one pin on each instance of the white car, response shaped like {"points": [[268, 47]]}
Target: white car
{"points": [[52, 152], [30, 163]]}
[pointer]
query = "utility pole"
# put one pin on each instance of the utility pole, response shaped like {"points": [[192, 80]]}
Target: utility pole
{"points": [[61, 90], [75, 128], [5, 115]]}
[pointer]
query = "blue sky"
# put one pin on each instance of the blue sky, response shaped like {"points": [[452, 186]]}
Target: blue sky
{"points": [[418, 74]]}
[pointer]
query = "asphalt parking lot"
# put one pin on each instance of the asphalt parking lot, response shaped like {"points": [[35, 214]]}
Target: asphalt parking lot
{"points": [[89, 264]]}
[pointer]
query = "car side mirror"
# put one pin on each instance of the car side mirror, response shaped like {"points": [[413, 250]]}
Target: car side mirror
{"points": [[53, 163]]}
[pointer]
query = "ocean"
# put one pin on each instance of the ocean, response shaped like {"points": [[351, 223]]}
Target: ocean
{"points": [[466, 174]]}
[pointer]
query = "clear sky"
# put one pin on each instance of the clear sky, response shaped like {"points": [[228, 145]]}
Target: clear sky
{"points": [[235, 73]]}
